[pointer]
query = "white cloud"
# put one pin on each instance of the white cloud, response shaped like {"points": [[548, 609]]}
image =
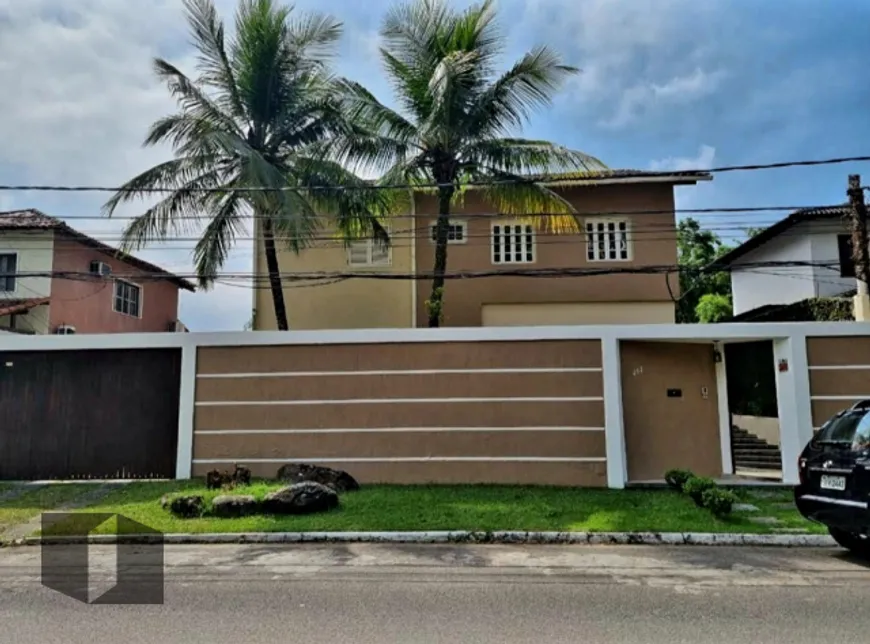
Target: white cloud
{"points": [[701, 161], [78, 96], [638, 57]]}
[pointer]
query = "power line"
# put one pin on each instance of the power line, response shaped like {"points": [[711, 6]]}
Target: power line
{"points": [[427, 275], [462, 215], [554, 179]]}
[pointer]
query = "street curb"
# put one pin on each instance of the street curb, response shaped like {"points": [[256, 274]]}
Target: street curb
{"points": [[502, 537]]}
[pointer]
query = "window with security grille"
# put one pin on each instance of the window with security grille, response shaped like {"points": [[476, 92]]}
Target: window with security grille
{"points": [[8, 268], [456, 232], [607, 240], [368, 252], [128, 298], [513, 243]]}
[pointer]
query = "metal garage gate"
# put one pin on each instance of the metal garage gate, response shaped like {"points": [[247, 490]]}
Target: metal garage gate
{"points": [[89, 414]]}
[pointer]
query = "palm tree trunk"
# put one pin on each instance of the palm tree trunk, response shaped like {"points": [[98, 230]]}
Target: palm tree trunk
{"points": [[442, 227], [274, 274]]}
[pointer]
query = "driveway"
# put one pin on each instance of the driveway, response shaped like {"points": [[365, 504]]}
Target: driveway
{"points": [[441, 593]]}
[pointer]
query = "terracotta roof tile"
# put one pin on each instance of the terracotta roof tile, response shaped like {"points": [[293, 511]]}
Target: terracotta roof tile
{"points": [[32, 219], [19, 305]]}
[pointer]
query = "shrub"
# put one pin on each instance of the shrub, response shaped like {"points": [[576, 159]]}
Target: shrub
{"points": [[696, 486], [718, 501], [677, 478]]}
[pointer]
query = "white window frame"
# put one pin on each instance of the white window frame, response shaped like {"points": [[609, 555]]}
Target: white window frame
{"points": [[115, 297], [456, 223], [591, 238], [369, 244], [17, 257], [528, 230]]}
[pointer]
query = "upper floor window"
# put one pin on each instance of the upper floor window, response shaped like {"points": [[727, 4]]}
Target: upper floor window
{"points": [[607, 240], [844, 250], [8, 268], [128, 298], [368, 252], [457, 232], [513, 243]]}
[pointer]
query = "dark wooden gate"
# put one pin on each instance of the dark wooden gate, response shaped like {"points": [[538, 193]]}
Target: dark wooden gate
{"points": [[89, 414]]}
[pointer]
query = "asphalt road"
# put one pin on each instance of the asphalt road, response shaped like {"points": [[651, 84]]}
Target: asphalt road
{"points": [[465, 594]]}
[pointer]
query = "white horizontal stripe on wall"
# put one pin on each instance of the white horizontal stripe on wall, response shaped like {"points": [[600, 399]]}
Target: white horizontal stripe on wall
{"points": [[378, 401], [395, 372], [378, 430], [855, 398], [840, 367], [409, 459]]}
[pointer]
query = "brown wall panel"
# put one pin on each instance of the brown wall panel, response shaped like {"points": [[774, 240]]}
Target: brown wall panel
{"points": [[437, 385], [824, 409], [840, 382], [538, 443], [400, 356], [520, 473], [824, 352], [374, 415]]}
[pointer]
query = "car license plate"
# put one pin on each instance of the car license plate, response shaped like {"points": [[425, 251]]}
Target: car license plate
{"points": [[833, 483]]}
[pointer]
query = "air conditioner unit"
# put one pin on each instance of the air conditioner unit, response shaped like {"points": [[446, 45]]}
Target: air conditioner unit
{"points": [[100, 268], [65, 329]]}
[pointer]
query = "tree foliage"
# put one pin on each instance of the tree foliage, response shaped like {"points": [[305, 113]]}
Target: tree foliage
{"points": [[255, 116], [696, 249], [458, 120]]}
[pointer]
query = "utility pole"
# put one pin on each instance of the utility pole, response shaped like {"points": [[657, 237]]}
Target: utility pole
{"points": [[860, 255]]}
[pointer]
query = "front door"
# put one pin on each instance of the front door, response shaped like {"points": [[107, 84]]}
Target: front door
{"points": [[670, 409]]}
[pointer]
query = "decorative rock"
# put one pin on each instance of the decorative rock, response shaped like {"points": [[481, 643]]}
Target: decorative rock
{"points": [[216, 479], [338, 480], [765, 520], [231, 505], [186, 507], [301, 498], [744, 507]]}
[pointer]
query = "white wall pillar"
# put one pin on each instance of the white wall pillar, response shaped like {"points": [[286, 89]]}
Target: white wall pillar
{"points": [[186, 407], [724, 411], [793, 401], [613, 422]]}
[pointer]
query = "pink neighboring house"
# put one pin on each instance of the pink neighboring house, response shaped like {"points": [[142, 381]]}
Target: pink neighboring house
{"points": [[54, 279]]}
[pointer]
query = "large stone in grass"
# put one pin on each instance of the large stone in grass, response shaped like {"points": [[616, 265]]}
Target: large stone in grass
{"points": [[301, 498], [184, 506], [228, 506], [338, 480]]}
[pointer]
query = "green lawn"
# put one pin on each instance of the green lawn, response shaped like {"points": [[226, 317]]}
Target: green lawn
{"points": [[481, 508], [32, 503]]}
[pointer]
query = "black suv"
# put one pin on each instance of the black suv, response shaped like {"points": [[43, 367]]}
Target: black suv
{"points": [[834, 484]]}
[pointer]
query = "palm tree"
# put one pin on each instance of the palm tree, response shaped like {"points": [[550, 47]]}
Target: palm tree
{"points": [[255, 117], [458, 119]]}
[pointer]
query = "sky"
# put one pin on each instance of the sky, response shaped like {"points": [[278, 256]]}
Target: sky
{"points": [[665, 84]]}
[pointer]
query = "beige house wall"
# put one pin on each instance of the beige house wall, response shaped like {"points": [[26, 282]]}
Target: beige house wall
{"points": [[557, 313], [361, 303]]}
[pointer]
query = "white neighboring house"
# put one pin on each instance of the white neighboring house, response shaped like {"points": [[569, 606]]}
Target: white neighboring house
{"points": [[819, 238]]}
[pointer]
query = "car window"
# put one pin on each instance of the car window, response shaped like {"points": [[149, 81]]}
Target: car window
{"points": [[851, 427]]}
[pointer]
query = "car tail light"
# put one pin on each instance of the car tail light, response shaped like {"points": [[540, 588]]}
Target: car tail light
{"points": [[802, 470]]}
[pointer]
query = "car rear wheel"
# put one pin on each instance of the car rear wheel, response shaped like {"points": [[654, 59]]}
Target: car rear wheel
{"points": [[851, 541]]}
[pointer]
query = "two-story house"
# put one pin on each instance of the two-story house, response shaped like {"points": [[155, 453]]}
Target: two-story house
{"points": [[626, 218], [806, 255], [54, 279]]}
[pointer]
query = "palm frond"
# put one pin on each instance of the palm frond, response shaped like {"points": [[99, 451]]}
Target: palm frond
{"points": [[212, 250], [191, 99], [531, 202], [207, 30], [525, 156], [314, 35], [507, 103]]}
